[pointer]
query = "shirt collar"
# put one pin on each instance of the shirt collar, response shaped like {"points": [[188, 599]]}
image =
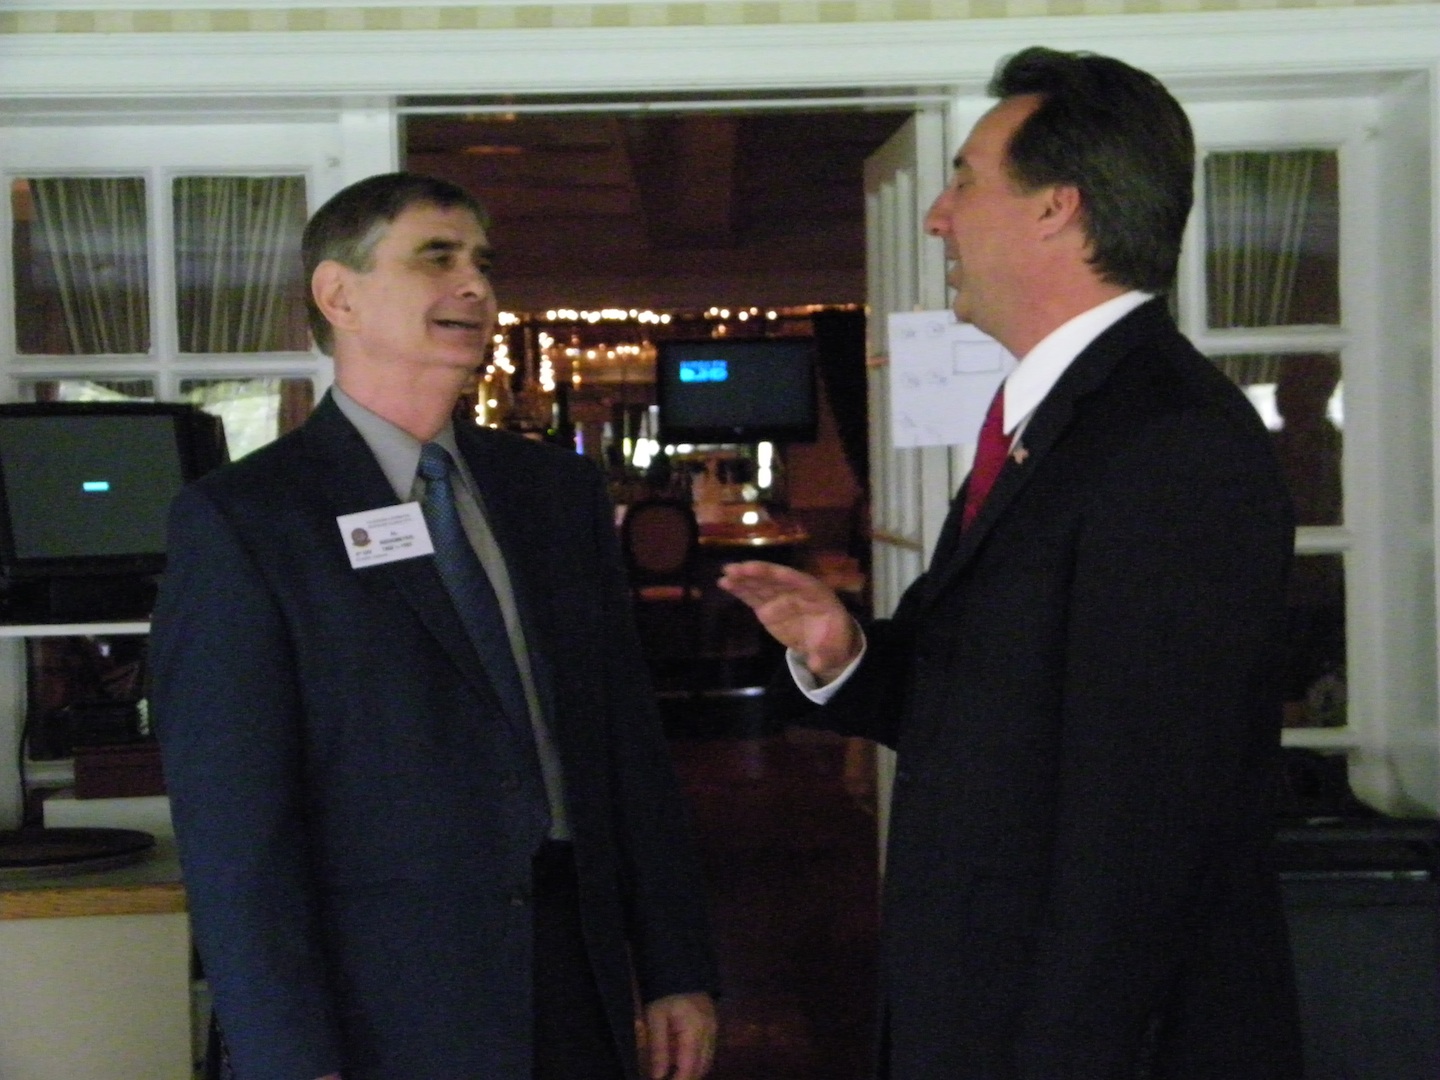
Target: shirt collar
{"points": [[1027, 386], [396, 450]]}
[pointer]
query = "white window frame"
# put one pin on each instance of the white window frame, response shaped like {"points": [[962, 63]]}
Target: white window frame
{"points": [[1391, 643], [161, 153], [330, 150]]}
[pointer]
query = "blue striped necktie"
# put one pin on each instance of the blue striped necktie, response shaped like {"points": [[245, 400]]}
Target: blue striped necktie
{"points": [[466, 581]]}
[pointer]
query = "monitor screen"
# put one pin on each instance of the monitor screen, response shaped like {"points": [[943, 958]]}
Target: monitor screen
{"points": [[85, 488], [736, 391]]}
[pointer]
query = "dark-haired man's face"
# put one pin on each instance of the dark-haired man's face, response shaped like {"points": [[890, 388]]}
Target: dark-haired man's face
{"points": [[425, 299], [984, 218]]}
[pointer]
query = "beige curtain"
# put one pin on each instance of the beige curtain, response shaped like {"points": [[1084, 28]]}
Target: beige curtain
{"points": [[94, 232], [1250, 369], [93, 390], [237, 256], [254, 411], [1257, 207]]}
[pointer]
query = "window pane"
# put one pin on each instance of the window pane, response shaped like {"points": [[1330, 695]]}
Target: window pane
{"points": [[1315, 643], [254, 411], [237, 264], [81, 265], [87, 390], [1272, 238], [1301, 399]]}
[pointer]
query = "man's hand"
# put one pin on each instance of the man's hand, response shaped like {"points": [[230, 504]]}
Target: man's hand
{"points": [[800, 612], [680, 1036]]}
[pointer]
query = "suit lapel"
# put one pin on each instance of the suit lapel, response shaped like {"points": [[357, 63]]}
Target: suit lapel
{"points": [[352, 481], [1052, 418]]}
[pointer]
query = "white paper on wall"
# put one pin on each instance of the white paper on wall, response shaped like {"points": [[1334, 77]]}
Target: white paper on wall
{"points": [[943, 374]]}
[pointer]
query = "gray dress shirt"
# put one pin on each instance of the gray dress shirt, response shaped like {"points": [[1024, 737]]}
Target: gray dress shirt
{"points": [[398, 454]]}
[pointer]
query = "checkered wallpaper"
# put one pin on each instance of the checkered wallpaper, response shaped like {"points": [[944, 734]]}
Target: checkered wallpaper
{"points": [[420, 16]]}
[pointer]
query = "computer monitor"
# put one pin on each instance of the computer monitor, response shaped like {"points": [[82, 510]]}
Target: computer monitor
{"points": [[85, 491], [743, 390]]}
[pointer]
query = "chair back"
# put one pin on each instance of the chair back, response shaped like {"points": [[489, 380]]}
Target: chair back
{"points": [[660, 539]]}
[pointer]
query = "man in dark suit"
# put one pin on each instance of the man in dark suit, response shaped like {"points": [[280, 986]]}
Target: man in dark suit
{"points": [[419, 844], [1080, 686]]}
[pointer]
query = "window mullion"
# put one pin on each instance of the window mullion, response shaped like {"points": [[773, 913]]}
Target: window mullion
{"points": [[166, 337]]}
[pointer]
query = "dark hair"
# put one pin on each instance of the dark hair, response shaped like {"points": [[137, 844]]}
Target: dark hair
{"points": [[1119, 137], [352, 221]]}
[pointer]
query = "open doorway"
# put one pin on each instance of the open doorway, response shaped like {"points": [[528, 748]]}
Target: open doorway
{"points": [[716, 218], [737, 217], [726, 218]]}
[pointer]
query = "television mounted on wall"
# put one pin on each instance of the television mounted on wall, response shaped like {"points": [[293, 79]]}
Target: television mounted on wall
{"points": [[85, 491], [736, 390]]}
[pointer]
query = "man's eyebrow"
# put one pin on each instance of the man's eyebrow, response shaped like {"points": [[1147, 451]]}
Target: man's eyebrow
{"points": [[443, 245], [437, 243]]}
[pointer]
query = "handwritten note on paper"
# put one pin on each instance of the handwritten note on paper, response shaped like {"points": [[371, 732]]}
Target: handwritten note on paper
{"points": [[943, 374]]}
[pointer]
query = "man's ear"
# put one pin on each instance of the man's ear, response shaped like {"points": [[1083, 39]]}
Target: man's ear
{"points": [[1060, 208], [330, 286]]}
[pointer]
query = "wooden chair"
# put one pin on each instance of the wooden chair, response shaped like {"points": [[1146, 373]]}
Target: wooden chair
{"points": [[660, 540]]}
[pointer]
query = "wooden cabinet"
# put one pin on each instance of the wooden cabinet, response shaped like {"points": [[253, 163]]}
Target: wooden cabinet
{"points": [[95, 975]]}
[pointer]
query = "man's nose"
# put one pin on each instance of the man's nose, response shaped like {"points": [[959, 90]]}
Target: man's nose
{"points": [[934, 217], [473, 282]]}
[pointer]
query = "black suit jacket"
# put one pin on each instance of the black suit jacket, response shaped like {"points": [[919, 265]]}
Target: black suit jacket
{"points": [[356, 817], [1081, 692]]}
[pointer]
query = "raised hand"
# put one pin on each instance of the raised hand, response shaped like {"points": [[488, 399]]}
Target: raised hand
{"points": [[799, 611]]}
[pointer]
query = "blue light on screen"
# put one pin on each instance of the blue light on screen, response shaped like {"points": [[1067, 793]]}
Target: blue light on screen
{"points": [[92, 486], [704, 371]]}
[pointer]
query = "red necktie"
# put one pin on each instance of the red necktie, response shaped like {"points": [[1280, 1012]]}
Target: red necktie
{"points": [[990, 455]]}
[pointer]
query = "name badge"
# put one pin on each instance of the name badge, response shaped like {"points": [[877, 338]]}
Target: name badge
{"points": [[387, 534]]}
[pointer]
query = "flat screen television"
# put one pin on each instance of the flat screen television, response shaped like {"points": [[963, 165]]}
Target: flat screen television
{"points": [[743, 390], [85, 491]]}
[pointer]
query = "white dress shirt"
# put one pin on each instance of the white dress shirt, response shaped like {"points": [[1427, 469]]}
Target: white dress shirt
{"points": [[1024, 389]]}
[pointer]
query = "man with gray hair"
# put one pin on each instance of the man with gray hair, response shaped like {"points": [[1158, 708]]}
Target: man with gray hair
{"points": [[426, 815]]}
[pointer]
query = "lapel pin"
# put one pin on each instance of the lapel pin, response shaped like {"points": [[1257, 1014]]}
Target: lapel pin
{"points": [[1020, 454]]}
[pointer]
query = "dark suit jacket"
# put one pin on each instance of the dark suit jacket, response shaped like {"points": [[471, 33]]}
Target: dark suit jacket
{"points": [[1080, 689], [355, 816]]}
